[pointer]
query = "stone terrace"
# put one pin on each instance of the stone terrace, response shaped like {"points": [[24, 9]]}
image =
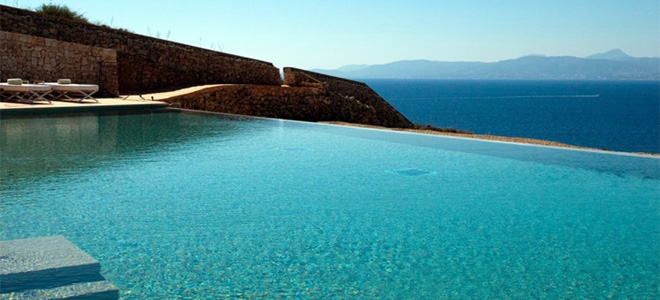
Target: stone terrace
{"points": [[41, 47], [144, 63]]}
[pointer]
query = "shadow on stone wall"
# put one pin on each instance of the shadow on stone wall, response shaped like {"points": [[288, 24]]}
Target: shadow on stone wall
{"points": [[377, 110], [36, 58], [250, 87], [145, 63], [307, 96]]}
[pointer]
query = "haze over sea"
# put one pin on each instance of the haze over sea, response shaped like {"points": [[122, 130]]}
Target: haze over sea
{"points": [[613, 115]]}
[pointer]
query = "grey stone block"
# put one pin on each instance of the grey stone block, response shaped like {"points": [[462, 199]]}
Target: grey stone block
{"points": [[43, 263], [98, 290]]}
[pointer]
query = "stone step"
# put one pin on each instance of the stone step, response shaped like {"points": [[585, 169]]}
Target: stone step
{"points": [[99, 290], [44, 263]]}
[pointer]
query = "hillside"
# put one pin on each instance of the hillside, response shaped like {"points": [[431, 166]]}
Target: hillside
{"points": [[611, 65]]}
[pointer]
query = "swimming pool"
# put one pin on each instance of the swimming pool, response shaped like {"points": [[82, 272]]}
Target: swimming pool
{"points": [[179, 205]]}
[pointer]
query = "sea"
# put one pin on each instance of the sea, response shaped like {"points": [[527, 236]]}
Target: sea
{"points": [[610, 115]]}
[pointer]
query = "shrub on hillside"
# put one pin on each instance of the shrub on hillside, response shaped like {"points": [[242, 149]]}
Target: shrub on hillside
{"points": [[61, 11], [441, 129]]}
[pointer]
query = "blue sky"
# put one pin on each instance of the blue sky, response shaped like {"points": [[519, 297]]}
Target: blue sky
{"points": [[329, 34]]}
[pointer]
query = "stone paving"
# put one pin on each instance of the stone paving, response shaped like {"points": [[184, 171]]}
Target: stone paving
{"points": [[135, 101], [108, 103]]}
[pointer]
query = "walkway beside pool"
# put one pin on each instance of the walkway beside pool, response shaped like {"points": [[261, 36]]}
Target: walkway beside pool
{"points": [[152, 100], [104, 104]]}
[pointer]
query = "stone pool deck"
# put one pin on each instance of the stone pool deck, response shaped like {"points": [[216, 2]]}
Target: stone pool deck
{"points": [[123, 103], [104, 104], [50, 268]]}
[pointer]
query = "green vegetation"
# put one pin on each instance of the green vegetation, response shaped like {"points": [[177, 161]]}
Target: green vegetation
{"points": [[110, 27], [441, 129], [61, 11]]}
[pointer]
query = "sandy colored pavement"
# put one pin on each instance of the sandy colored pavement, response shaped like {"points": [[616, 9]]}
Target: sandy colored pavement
{"points": [[74, 104], [159, 96], [144, 99]]}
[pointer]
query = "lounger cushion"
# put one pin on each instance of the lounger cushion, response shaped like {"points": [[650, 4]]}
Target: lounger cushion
{"points": [[16, 81], [64, 81]]}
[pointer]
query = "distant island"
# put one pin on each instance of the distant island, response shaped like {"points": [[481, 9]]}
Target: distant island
{"points": [[610, 65]]}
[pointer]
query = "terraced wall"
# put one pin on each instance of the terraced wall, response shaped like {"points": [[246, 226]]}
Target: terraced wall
{"points": [[144, 63], [35, 58]]}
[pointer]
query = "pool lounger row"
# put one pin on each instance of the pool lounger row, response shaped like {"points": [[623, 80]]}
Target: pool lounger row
{"points": [[15, 89], [64, 87]]}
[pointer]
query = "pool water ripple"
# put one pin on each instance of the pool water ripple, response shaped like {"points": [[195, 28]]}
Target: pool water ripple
{"points": [[229, 212]]}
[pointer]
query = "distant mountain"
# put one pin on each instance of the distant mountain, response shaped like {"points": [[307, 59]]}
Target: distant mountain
{"points": [[351, 68], [613, 64], [616, 54]]}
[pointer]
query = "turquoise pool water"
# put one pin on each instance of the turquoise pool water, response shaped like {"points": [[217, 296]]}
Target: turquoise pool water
{"points": [[176, 205]]}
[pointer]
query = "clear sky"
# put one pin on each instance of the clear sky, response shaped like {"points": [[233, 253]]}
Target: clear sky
{"points": [[329, 34]]}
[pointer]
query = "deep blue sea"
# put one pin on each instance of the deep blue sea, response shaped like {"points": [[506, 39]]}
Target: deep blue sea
{"points": [[613, 115]]}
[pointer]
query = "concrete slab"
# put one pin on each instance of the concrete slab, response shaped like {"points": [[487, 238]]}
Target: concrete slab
{"points": [[45, 262], [98, 290], [104, 104]]}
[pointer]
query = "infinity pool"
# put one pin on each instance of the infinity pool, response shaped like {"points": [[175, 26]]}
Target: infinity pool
{"points": [[179, 205]]}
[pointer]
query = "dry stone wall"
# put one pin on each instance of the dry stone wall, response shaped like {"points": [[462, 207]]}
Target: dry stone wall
{"points": [[35, 58], [145, 63], [349, 91], [141, 63], [308, 97]]}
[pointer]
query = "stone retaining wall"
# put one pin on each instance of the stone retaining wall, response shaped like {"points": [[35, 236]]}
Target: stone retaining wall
{"points": [[348, 91], [35, 58], [309, 97], [145, 63]]}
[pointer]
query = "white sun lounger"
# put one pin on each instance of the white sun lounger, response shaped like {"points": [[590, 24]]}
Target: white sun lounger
{"points": [[63, 88], [30, 93]]}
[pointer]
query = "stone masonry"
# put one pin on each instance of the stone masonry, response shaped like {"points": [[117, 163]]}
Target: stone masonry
{"points": [[307, 97], [145, 63], [140, 64], [35, 58], [351, 93]]}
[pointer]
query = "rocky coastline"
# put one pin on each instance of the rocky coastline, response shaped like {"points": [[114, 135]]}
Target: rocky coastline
{"points": [[489, 137]]}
